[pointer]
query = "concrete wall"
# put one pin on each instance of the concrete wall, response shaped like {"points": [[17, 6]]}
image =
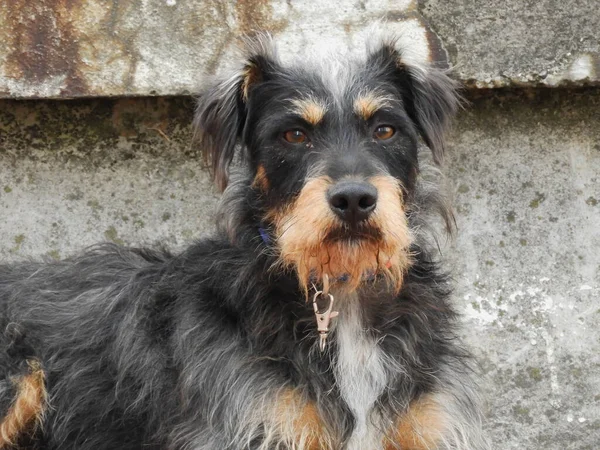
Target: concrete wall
{"points": [[74, 173], [526, 177], [524, 170], [65, 49]]}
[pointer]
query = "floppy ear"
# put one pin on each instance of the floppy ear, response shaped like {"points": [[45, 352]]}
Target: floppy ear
{"points": [[430, 96], [221, 112], [218, 124]]}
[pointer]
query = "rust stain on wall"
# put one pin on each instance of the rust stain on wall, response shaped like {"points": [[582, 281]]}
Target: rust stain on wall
{"points": [[44, 43], [121, 41], [83, 48], [257, 15], [251, 16]]}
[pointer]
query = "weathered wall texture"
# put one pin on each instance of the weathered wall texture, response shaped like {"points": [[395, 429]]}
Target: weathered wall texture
{"points": [[519, 42], [525, 176], [69, 48], [74, 173], [66, 48]]}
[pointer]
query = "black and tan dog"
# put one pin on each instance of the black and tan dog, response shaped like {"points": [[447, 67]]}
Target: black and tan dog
{"points": [[229, 345]]}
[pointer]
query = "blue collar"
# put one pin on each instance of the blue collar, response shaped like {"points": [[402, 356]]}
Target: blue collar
{"points": [[264, 235]]}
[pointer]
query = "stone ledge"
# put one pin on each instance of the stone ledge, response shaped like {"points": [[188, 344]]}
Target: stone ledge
{"points": [[59, 49]]}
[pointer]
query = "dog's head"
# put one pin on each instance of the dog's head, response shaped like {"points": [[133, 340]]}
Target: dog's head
{"points": [[332, 148]]}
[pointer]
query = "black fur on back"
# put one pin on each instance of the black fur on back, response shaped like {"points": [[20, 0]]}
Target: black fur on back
{"points": [[144, 349]]}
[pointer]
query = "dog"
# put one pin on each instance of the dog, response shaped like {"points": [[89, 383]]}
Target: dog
{"points": [[316, 317]]}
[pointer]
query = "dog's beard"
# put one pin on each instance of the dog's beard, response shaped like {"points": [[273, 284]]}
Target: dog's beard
{"points": [[314, 242]]}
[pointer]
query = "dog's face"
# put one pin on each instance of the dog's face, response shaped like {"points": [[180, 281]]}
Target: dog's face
{"points": [[333, 153]]}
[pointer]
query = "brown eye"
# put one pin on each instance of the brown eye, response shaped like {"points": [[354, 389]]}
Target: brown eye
{"points": [[294, 136], [384, 132]]}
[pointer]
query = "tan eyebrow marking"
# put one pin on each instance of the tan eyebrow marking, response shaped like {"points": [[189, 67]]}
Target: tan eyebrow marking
{"points": [[310, 109], [369, 103]]}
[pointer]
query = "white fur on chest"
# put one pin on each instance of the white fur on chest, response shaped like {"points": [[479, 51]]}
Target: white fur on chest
{"points": [[361, 375]]}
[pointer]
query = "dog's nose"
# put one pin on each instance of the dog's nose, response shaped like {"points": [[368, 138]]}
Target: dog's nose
{"points": [[352, 201]]}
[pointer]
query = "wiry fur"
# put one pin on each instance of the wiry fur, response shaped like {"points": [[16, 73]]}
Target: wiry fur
{"points": [[302, 235], [216, 347]]}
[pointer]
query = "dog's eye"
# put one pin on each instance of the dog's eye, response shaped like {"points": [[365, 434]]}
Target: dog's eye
{"points": [[384, 132], [294, 136]]}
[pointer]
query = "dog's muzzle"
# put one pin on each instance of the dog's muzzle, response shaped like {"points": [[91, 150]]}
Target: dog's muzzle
{"points": [[352, 201]]}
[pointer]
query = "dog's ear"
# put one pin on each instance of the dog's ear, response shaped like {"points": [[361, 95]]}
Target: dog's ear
{"points": [[430, 96], [221, 112]]}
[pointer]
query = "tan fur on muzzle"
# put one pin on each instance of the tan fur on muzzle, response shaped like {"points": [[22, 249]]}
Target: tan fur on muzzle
{"points": [[303, 227]]}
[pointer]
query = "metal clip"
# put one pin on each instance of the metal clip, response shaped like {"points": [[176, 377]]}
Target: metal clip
{"points": [[323, 318]]}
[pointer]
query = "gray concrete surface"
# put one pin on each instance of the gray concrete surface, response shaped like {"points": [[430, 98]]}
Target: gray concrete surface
{"points": [[526, 178], [519, 42], [73, 174], [524, 171], [58, 49]]}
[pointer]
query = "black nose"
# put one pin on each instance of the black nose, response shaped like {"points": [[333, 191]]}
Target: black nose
{"points": [[352, 201]]}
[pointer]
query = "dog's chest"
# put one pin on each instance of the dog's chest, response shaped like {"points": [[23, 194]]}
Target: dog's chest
{"points": [[361, 375]]}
